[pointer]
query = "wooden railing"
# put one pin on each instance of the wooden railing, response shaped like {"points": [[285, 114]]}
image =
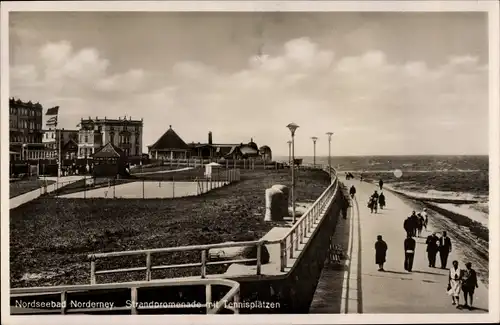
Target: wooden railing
{"points": [[289, 244], [230, 300]]}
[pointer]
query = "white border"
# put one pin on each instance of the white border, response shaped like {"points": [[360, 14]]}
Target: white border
{"points": [[490, 6]]}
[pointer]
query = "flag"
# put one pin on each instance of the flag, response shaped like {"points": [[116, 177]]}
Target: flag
{"points": [[52, 121], [53, 111]]}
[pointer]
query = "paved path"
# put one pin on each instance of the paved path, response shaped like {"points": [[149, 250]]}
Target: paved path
{"points": [[29, 196], [396, 290]]}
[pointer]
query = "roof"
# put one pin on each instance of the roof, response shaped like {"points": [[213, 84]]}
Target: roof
{"points": [[213, 164], [169, 140], [247, 150], [109, 151]]}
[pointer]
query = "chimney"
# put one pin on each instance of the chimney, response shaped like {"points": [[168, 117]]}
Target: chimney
{"points": [[210, 137]]}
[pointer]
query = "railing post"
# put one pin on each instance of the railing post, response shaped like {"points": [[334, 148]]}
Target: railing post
{"points": [[92, 270], [63, 302], [283, 254], [133, 300], [208, 297], [259, 257], [291, 243], [203, 263], [236, 302], [148, 266]]}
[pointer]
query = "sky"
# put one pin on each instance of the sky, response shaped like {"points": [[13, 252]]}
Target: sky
{"points": [[384, 83]]}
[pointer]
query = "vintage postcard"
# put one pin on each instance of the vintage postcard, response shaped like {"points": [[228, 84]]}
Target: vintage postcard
{"points": [[250, 162]]}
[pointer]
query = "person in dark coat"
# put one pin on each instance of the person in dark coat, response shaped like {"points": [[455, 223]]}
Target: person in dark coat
{"points": [[420, 224], [381, 200], [409, 246], [432, 249], [469, 284], [381, 184], [380, 252], [352, 191], [414, 224], [407, 226], [444, 249], [374, 202]]}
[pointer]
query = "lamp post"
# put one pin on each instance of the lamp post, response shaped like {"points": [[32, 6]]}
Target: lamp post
{"points": [[329, 153], [314, 144], [292, 127], [289, 153]]}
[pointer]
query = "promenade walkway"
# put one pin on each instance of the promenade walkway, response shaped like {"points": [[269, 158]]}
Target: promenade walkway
{"points": [[29, 196], [366, 290]]}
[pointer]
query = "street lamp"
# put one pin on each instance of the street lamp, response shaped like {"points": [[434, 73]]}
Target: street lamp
{"points": [[314, 157], [329, 153], [289, 153], [292, 127]]}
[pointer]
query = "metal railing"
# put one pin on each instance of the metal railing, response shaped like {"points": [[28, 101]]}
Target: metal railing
{"points": [[229, 301], [289, 245]]}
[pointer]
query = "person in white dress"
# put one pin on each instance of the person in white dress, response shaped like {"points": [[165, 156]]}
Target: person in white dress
{"points": [[455, 283], [425, 216]]}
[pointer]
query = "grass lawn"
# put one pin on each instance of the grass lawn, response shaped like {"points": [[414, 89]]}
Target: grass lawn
{"points": [[51, 237], [25, 186]]}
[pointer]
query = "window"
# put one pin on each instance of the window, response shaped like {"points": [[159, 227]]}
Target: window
{"points": [[112, 137], [53, 136], [86, 138], [136, 150]]}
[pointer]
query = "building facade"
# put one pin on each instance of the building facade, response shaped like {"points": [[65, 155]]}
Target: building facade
{"points": [[52, 136], [122, 133], [25, 124]]}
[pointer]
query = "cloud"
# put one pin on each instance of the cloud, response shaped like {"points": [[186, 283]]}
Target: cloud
{"points": [[359, 97]]}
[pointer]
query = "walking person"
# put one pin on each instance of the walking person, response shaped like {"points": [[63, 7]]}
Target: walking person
{"points": [[454, 283], [381, 184], [444, 249], [380, 252], [409, 245], [469, 284], [414, 224], [432, 249], [420, 224], [352, 191], [373, 203], [381, 200], [407, 226], [426, 217]]}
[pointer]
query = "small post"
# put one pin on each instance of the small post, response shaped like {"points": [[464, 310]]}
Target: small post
{"points": [[259, 256], [302, 233], [92, 270], [173, 187], [63, 302], [236, 300], [291, 243], [203, 263], [283, 255], [208, 297], [148, 266], [133, 300]]}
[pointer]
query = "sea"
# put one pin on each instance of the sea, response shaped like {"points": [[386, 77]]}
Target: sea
{"points": [[449, 178]]}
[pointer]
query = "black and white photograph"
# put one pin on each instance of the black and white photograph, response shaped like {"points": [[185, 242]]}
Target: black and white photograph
{"points": [[305, 162]]}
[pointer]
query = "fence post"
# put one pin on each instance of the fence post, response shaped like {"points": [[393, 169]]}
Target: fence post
{"points": [[148, 266], [283, 254], [259, 256], [203, 263], [173, 187], [208, 297], [63, 302], [92, 270], [133, 300], [291, 243]]}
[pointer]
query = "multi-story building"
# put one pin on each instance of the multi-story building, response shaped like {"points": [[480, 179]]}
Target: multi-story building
{"points": [[25, 128], [52, 136], [123, 133]]}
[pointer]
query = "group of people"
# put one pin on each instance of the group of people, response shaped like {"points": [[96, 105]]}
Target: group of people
{"points": [[375, 201], [441, 245], [415, 223], [462, 280]]}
